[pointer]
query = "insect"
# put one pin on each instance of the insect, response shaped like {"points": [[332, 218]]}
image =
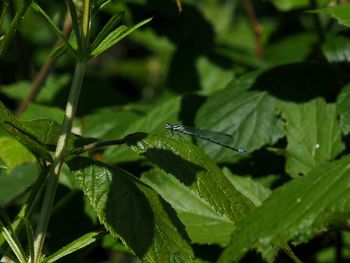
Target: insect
{"points": [[214, 137]]}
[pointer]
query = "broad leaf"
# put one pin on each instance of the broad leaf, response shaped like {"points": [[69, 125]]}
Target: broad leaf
{"points": [[313, 135], [203, 223], [249, 116], [338, 12], [132, 211], [195, 170], [297, 210], [115, 36]]}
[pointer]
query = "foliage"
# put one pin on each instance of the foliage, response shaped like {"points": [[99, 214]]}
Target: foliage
{"points": [[105, 174]]}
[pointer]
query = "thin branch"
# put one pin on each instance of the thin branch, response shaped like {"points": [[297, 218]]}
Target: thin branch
{"points": [[44, 71], [96, 145], [256, 28]]}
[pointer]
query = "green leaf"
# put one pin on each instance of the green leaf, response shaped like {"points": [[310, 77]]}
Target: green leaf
{"points": [[251, 189], [299, 47], [286, 5], [153, 121], [75, 22], [297, 210], [36, 111], [12, 153], [338, 12], [249, 116], [132, 211], [38, 136], [108, 27], [203, 223], [115, 36], [77, 244], [343, 106], [337, 49], [53, 85], [212, 77], [17, 181], [22, 134], [53, 27], [30, 238], [313, 135], [195, 170]]}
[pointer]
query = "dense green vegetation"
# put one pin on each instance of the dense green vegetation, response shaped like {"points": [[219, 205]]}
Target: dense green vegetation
{"points": [[88, 172]]}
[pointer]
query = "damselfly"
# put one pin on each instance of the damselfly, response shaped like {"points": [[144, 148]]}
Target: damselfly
{"points": [[204, 134]]}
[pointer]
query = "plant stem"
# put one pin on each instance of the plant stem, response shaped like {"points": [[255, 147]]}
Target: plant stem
{"points": [[15, 24], [58, 158]]}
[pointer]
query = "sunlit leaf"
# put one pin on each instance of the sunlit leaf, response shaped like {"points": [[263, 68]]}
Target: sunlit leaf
{"points": [[12, 153], [297, 210], [337, 49], [339, 12], [203, 223], [115, 36]]}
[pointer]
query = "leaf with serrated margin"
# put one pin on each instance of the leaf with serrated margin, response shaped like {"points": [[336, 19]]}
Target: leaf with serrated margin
{"points": [[193, 168], [249, 116], [297, 210], [132, 211], [313, 135], [338, 12]]}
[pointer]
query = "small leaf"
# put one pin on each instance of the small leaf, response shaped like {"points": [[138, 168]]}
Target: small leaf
{"points": [[132, 211], [39, 136], [337, 49], [108, 27], [115, 36], [296, 210], [77, 244], [286, 5], [313, 135], [343, 106], [75, 22], [17, 181], [53, 27], [153, 121], [12, 153], [19, 131], [338, 12]]}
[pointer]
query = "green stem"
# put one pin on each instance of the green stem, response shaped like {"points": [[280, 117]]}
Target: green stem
{"points": [[15, 24], [58, 158]]}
